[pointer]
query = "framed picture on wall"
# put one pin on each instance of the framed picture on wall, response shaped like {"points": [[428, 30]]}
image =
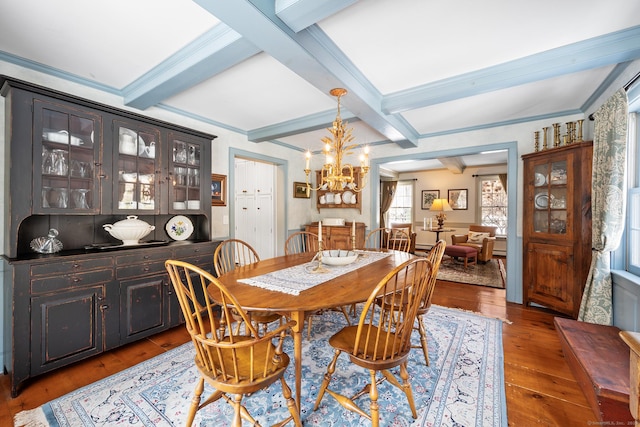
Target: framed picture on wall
{"points": [[428, 196], [218, 190], [458, 199], [300, 190]]}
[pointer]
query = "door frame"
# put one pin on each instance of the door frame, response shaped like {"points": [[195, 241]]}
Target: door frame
{"points": [[281, 210], [513, 286]]}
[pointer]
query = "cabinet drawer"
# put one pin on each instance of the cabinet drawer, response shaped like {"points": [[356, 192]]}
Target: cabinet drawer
{"points": [[141, 269], [145, 257], [191, 250], [57, 268], [72, 280], [204, 262]]}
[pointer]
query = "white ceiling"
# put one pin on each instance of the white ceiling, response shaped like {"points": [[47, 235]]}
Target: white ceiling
{"points": [[414, 68]]}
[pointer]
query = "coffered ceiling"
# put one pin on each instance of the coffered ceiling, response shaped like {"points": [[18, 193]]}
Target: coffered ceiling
{"points": [[414, 69]]}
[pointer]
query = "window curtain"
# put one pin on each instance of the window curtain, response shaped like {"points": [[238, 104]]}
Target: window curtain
{"points": [[388, 190], [607, 205], [503, 180]]}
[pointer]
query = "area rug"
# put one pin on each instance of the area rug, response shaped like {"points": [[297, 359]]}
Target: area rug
{"points": [[491, 274], [464, 386]]}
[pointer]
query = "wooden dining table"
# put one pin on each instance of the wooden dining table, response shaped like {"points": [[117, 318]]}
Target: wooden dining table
{"points": [[350, 288]]}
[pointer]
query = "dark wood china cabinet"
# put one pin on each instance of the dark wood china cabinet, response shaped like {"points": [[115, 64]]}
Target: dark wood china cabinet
{"points": [[75, 165], [557, 226]]}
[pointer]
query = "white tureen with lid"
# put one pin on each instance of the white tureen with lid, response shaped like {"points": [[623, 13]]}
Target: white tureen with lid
{"points": [[129, 230]]}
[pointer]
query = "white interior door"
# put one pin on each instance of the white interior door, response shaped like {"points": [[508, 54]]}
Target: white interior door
{"points": [[255, 205]]}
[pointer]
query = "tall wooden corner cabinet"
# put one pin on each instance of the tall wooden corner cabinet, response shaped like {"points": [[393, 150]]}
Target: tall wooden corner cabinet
{"points": [[557, 226], [75, 165]]}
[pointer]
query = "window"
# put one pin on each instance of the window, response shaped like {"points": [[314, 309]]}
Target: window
{"points": [[633, 201], [402, 206], [493, 203]]}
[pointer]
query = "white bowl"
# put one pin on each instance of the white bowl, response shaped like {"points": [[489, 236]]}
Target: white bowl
{"points": [[179, 205], [129, 230], [338, 257], [193, 204]]}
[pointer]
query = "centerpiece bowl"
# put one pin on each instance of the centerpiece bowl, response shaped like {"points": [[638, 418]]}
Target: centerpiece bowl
{"points": [[338, 257]]}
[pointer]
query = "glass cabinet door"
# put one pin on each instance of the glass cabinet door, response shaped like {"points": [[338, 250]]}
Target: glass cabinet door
{"points": [[186, 174], [65, 153], [550, 197], [136, 187]]}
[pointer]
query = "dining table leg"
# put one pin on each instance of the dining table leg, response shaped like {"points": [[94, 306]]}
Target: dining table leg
{"points": [[298, 316]]}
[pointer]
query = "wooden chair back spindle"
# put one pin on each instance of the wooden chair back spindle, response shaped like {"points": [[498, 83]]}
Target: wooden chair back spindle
{"points": [[232, 362]]}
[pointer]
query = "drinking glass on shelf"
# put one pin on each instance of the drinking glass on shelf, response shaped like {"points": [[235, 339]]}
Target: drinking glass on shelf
{"points": [[47, 161], [194, 177], [180, 152], [181, 175], [63, 197], [45, 197], [60, 162], [80, 198]]}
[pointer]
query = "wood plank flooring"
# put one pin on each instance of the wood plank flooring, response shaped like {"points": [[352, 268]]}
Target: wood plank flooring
{"points": [[540, 389]]}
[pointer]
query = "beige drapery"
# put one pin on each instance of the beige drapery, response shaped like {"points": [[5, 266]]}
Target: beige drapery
{"points": [[387, 191], [503, 180]]}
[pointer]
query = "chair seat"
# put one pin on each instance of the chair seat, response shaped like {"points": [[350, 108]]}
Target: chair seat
{"points": [[344, 340], [246, 370]]}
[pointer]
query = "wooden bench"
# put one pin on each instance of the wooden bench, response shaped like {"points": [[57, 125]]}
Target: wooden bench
{"points": [[599, 360]]}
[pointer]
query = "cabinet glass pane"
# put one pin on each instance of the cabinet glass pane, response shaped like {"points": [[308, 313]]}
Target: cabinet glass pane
{"points": [[541, 172], [186, 175], [558, 223], [136, 169], [558, 198], [67, 162], [541, 221], [558, 174]]}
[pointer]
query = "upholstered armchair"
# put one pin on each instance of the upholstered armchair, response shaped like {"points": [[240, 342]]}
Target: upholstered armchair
{"points": [[408, 228], [481, 237]]}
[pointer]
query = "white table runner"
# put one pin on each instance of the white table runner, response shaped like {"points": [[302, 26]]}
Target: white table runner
{"points": [[296, 279]]}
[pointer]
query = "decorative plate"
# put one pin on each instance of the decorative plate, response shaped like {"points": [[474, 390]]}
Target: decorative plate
{"points": [[539, 180], [179, 227], [542, 201], [347, 197]]}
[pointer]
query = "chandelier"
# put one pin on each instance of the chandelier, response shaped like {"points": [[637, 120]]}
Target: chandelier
{"points": [[336, 175]]}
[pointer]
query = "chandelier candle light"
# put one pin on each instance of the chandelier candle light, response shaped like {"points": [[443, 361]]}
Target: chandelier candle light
{"points": [[335, 175]]}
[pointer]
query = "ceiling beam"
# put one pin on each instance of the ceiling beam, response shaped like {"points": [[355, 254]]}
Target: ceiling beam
{"points": [[609, 49], [313, 56], [212, 53], [454, 164], [299, 14], [305, 124]]}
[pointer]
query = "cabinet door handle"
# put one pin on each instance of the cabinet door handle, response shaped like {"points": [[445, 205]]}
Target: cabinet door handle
{"points": [[104, 306], [75, 279], [145, 269], [244, 209]]}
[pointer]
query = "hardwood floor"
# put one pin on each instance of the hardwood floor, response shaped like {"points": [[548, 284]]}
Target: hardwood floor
{"points": [[540, 388]]}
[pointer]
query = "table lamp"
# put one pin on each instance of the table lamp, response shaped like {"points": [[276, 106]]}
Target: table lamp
{"points": [[440, 206]]}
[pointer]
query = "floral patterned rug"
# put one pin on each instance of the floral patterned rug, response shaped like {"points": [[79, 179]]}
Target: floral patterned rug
{"points": [[492, 274], [464, 386]]}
